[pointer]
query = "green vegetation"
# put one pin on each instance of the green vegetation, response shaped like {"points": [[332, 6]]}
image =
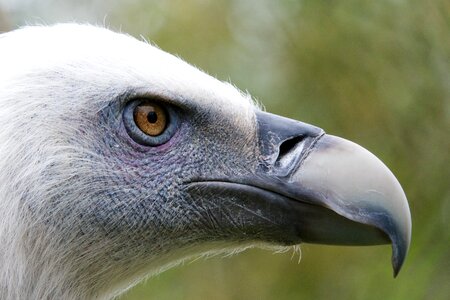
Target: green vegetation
{"points": [[375, 72]]}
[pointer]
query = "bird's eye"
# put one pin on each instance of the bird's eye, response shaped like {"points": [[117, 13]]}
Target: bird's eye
{"points": [[150, 118], [149, 123]]}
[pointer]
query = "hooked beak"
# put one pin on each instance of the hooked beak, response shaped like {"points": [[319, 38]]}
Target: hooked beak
{"points": [[315, 188], [334, 174]]}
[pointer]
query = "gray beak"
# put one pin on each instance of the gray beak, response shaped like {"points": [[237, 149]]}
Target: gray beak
{"points": [[310, 187], [342, 179]]}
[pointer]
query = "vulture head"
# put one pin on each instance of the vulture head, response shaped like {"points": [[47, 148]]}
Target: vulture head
{"points": [[118, 161]]}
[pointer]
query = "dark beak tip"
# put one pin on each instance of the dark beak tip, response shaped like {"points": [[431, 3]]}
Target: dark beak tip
{"points": [[397, 263], [399, 251]]}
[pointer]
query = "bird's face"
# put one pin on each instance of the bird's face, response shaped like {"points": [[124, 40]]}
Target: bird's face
{"points": [[140, 160]]}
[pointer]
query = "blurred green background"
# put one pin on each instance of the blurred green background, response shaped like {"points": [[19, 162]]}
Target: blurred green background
{"points": [[375, 72]]}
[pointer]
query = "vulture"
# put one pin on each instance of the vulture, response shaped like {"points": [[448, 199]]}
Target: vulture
{"points": [[119, 161]]}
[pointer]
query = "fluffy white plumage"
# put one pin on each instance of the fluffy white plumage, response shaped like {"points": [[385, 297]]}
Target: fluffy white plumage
{"points": [[50, 77]]}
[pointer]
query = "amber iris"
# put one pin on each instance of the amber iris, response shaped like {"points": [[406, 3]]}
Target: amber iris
{"points": [[151, 118]]}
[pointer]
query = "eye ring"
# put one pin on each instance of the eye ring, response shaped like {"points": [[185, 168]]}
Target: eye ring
{"points": [[149, 122]]}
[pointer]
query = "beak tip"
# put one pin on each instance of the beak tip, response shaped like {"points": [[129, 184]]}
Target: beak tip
{"points": [[401, 237], [398, 257], [400, 247]]}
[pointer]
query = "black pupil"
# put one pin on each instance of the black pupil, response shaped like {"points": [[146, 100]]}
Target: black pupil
{"points": [[152, 117]]}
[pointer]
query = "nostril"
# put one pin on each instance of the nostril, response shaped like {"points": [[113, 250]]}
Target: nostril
{"points": [[289, 151], [288, 145]]}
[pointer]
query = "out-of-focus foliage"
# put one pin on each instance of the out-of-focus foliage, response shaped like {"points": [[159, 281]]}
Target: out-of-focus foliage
{"points": [[375, 72]]}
